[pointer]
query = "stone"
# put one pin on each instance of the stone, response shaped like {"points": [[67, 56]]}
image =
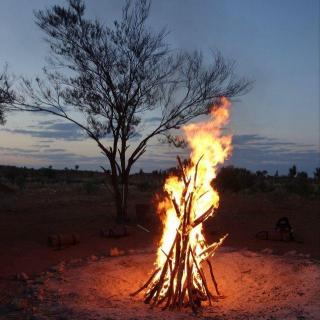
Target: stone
{"points": [[75, 261], [39, 280], [40, 297], [59, 268], [267, 251], [114, 252], [38, 317], [291, 253], [22, 276], [18, 304], [94, 258]]}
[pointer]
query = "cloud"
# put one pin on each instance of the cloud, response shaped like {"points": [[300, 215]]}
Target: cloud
{"points": [[58, 158], [10, 151], [258, 152], [41, 145], [51, 130], [254, 152], [152, 119], [53, 150], [251, 151]]}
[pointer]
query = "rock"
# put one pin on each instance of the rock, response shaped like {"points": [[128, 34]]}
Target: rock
{"points": [[304, 255], [114, 252], [18, 304], [59, 268], [250, 254], [40, 297], [39, 280], [291, 253], [267, 251], [75, 261], [22, 276], [94, 258], [61, 278], [38, 317]]}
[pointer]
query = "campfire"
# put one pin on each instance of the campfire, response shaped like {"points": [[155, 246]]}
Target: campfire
{"points": [[179, 279]]}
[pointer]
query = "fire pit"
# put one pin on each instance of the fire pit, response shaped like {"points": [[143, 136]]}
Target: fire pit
{"points": [[179, 279], [256, 285]]}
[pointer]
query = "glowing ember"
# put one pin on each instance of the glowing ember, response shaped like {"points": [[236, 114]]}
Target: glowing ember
{"points": [[179, 278]]}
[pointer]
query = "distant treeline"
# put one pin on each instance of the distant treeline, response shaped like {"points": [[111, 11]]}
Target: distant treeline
{"points": [[229, 179], [235, 179], [19, 176]]}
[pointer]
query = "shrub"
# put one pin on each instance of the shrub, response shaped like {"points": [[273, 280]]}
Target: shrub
{"points": [[145, 186], [90, 187], [234, 179]]}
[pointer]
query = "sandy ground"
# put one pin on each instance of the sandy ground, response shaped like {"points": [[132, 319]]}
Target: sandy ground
{"points": [[255, 286], [28, 218]]}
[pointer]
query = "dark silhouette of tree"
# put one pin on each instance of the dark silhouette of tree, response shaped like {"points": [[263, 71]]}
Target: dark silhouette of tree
{"points": [[114, 76], [6, 94], [300, 184], [234, 179], [293, 171], [316, 174], [302, 175], [261, 174]]}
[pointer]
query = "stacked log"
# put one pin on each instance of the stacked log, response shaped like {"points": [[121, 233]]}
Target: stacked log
{"points": [[181, 279]]}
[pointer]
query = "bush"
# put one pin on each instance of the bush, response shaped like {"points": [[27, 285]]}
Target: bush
{"points": [[234, 179], [21, 182], [91, 187], [145, 186], [299, 185]]}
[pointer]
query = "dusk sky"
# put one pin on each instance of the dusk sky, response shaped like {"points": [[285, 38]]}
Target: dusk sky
{"points": [[275, 43]]}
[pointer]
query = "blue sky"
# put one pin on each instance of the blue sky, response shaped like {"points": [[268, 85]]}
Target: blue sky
{"points": [[275, 43]]}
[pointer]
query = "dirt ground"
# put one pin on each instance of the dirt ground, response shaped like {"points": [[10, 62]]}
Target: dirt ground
{"points": [[28, 218], [254, 286]]}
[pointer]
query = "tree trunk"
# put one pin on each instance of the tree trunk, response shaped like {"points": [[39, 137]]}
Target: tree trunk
{"points": [[124, 200], [120, 187]]}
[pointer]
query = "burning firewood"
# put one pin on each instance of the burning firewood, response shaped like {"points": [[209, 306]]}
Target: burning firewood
{"points": [[179, 279]]}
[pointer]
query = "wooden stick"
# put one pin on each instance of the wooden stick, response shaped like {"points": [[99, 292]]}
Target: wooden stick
{"points": [[213, 278], [182, 170], [147, 283], [202, 278], [203, 217], [196, 171], [176, 207], [164, 271], [213, 247]]}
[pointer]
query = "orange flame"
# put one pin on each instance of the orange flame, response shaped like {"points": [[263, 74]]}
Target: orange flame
{"points": [[208, 144]]}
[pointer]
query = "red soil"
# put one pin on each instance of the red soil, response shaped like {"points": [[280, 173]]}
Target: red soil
{"points": [[28, 218]]}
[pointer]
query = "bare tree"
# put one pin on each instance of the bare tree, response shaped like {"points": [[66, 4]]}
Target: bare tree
{"points": [[115, 76], [6, 94]]}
